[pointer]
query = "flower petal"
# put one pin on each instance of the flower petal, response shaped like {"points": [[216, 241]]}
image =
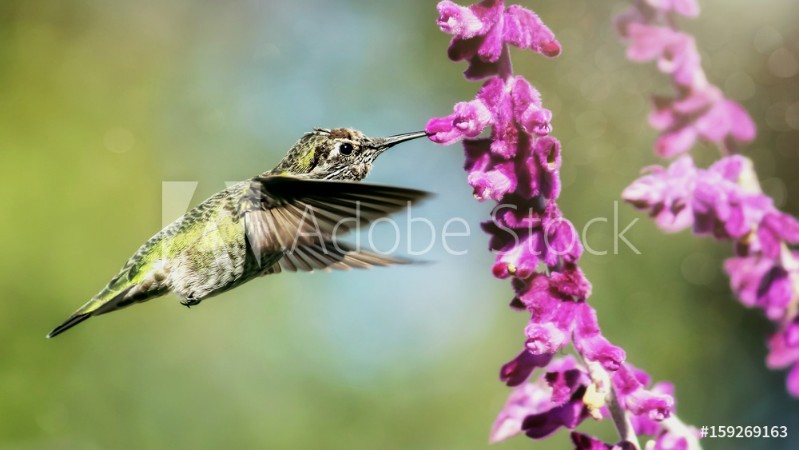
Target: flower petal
{"points": [[524, 29]]}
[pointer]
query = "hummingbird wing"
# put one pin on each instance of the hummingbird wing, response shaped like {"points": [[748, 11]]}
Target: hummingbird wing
{"points": [[327, 255], [303, 216]]}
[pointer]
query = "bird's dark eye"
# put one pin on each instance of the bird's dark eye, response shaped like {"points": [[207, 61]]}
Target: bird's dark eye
{"points": [[345, 148]]}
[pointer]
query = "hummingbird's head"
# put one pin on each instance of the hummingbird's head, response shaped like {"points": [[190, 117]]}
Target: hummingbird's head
{"points": [[338, 154]]}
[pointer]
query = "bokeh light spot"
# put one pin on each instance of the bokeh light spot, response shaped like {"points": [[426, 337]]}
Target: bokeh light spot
{"points": [[119, 140], [783, 63]]}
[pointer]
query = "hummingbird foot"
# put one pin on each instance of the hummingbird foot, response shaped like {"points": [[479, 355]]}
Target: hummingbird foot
{"points": [[188, 302]]}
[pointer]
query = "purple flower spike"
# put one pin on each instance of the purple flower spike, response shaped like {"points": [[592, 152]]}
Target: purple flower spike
{"points": [[518, 166], [701, 111], [725, 200]]}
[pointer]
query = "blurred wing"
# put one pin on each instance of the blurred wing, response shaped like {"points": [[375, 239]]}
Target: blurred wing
{"points": [[282, 213], [328, 255]]}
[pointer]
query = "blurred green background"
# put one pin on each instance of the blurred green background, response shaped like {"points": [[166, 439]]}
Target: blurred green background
{"points": [[102, 101]]}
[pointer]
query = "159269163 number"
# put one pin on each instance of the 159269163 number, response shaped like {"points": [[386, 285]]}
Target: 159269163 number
{"points": [[744, 431]]}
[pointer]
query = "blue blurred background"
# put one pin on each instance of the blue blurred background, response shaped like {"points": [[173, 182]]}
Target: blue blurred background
{"points": [[103, 101]]}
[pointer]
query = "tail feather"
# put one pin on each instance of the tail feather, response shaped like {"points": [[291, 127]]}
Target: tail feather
{"points": [[69, 323], [95, 306]]}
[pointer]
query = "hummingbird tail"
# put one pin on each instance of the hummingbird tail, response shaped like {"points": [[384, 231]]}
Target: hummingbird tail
{"points": [[97, 305], [69, 323]]}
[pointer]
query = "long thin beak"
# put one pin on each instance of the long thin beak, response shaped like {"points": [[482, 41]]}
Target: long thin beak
{"points": [[387, 142]]}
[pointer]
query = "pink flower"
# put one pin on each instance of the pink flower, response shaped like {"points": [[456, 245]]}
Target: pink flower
{"points": [[589, 341], [518, 370], [784, 352], [524, 29], [523, 400], [675, 52], [490, 176], [722, 206], [777, 228], [539, 408], [666, 194], [641, 402], [481, 31], [468, 119], [460, 21], [714, 200], [704, 113], [761, 282]]}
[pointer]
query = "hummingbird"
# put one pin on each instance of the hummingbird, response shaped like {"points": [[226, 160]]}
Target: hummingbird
{"points": [[287, 218]]}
